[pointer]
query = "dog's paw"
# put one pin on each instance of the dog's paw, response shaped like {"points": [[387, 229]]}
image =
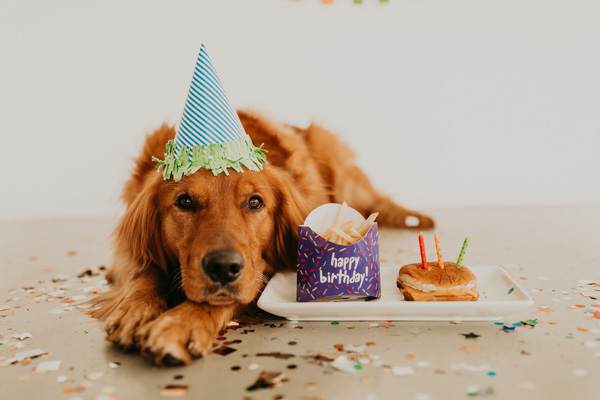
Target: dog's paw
{"points": [[416, 221], [178, 335], [128, 316]]}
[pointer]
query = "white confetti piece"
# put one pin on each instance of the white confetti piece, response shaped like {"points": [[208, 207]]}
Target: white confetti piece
{"points": [[422, 364], [355, 348], [61, 378], [580, 372], [21, 336], [472, 389], [114, 365], [93, 376], [470, 368], [56, 311], [342, 363], [22, 355], [79, 297], [422, 396], [591, 344], [48, 366], [402, 371], [252, 367]]}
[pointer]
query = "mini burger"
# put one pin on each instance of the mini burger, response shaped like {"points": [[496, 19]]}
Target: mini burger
{"points": [[437, 284]]}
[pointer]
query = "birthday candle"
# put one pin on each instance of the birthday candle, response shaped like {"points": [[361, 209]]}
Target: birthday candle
{"points": [[462, 252], [439, 250], [422, 246]]}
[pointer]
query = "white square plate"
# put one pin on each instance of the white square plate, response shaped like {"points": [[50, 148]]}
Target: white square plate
{"points": [[494, 285]]}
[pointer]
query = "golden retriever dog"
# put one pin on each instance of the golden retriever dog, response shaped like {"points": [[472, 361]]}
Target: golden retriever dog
{"points": [[191, 255]]}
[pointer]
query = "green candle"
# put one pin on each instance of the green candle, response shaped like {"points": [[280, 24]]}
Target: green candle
{"points": [[462, 252]]}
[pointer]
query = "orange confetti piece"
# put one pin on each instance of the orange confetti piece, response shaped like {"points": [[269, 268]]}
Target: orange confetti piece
{"points": [[580, 305], [89, 321], [327, 1], [385, 324], [71, 253], [370, 344], [553, 322], [582, 329], [522, 278], [68, 390], [6, 314], [469, 349], [25, 362], [410, 356], [47, 270]]}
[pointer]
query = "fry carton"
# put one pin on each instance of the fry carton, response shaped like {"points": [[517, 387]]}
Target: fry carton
{"points": [[329, 271]]}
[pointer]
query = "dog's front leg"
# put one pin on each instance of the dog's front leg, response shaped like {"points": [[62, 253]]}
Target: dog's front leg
{"points": [[129, 307], [183, 332]]}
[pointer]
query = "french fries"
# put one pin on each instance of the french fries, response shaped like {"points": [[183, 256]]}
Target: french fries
{"points": [[345, 233]]}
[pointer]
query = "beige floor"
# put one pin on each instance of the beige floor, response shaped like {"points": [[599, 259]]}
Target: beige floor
{"points": [[555, 247]]}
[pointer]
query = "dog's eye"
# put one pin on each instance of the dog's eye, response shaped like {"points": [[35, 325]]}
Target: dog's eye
{"points": [[255, 203], [184, 201]]}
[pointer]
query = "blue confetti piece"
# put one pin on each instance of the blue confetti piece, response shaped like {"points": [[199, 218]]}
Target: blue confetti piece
{"points": [[512, 289], [508, 328]]}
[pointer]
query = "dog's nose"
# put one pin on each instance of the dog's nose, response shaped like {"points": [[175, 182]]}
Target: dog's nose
{"points": [[223, 266]]}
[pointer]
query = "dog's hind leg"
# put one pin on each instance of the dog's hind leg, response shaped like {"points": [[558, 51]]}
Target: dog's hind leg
{"points": [[347, 182]]}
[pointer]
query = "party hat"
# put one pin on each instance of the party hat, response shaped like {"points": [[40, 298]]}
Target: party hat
{"points": [[210, 134]]}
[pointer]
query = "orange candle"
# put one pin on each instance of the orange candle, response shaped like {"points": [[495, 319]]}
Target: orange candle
{"points": [[438, 249], [422, 246]]}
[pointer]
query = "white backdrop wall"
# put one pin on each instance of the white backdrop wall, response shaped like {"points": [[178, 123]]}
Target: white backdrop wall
{"points": [[464, 103]]}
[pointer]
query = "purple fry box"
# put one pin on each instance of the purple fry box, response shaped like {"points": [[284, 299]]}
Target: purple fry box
{"points": [[333, 272]]}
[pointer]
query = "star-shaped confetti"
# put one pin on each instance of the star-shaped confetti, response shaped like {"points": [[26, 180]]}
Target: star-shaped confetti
{"points": [[470, 335]]}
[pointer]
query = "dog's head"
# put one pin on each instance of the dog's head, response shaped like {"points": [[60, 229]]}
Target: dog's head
{"points": [[215, 235]]}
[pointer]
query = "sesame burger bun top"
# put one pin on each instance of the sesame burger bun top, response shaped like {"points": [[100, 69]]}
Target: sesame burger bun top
{"points": [[440, 279]]}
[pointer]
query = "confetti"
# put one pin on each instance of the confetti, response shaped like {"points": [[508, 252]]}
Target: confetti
{"points": [[93, 376], [402, 371], [469, 349], [470, 368], [342, 363], [21, 336], [224, 350], [277, 354], [268, 380], [48, 366], [174, 391], [580, 372]]}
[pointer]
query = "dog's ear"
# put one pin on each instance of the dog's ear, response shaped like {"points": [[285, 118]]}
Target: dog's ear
{"points": [[138, 233], [290, 213]]}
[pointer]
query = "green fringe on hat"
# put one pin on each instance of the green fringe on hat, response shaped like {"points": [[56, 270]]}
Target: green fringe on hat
{"points": [[214, 157]]}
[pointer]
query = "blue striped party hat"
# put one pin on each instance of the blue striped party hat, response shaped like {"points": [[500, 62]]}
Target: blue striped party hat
{"points": [[210, 134]]}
